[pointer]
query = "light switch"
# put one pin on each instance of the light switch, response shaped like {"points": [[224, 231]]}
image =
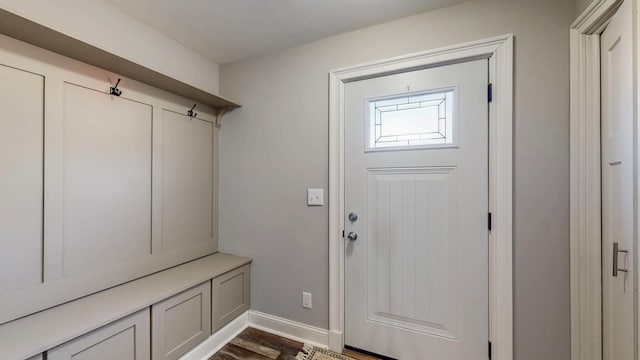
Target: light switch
{"points": [[315, 197]]}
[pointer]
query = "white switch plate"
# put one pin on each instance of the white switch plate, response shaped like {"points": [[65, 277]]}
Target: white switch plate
{"points": [[306, 300], [315, 197]]}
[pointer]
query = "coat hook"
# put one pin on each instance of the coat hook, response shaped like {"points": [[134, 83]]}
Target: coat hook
{"points": [[192, 114], [114, 89]]}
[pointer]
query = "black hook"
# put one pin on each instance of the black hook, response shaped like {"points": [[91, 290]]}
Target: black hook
{"points": [[192, 114], [114, 89]]}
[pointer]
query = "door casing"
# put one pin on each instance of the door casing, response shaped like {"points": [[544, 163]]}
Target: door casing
{"points": [[499, 52], [585, 175]]}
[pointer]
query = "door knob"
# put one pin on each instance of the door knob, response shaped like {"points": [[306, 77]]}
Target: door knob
{"points": [[352, 236], [615, 259], [353, 217]]}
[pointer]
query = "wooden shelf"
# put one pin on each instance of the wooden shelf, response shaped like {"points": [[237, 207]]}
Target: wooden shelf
{"points": [[37, 333], [33, 33]]}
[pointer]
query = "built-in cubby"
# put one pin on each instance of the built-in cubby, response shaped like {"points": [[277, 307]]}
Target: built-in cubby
{"points": [[108, 205], [171, 311], [107, 179]]}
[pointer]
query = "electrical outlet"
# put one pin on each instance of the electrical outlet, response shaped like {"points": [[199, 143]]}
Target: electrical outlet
{"points": [[306, 300]]}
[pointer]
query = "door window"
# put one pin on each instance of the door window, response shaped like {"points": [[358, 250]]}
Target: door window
{"points": [[425, 119]]}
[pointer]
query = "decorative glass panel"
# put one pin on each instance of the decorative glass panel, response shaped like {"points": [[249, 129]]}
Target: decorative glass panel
{"points": [[411, 121]]}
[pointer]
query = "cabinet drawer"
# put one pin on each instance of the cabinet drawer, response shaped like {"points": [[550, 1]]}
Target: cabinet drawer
{"points": [[181, 322], [126, 339], [230, 296]]}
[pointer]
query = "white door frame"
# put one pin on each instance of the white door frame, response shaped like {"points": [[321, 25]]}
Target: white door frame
{"points": [[499, 52], [585, 192]]}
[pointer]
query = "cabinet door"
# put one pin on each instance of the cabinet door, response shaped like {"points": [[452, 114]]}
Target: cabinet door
{"points": [[126, 339], [181, 322], [230, 296]]}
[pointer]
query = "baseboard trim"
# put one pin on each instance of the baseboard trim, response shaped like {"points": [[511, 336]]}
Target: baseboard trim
{"points": [[273, 324], [289, 329], [216, 341]]}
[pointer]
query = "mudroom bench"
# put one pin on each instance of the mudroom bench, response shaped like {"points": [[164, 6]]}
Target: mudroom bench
{"points": [[159, 316]]}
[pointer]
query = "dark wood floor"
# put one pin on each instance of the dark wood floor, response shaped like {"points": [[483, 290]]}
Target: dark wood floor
{"points": [[358, 356], [254, 344]]}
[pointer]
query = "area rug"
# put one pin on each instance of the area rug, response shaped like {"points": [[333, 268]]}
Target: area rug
{"points": [[310, 352]]}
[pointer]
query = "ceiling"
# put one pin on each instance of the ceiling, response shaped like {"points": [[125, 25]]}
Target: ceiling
{"points": [[231, 30]]}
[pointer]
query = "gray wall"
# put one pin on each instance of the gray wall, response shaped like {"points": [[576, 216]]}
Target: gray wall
{"points": [[276, 146]]}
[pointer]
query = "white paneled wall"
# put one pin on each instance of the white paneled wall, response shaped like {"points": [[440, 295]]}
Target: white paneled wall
{"points": [[96, 189], [21, 130], [107, 175], [188, 164]]}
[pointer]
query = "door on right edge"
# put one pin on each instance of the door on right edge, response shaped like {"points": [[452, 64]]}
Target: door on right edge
{"points": [[617, 186]]}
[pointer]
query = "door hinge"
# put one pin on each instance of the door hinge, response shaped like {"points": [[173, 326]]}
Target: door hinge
{"points": [[490, 93], [490, 222], [489, 350]]}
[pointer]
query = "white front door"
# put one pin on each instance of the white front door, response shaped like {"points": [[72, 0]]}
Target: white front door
{"points": [[416, 200], [617, 187]]}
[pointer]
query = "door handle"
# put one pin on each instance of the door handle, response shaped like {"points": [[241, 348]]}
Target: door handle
{"points": [[352, 236], [616, 250]]}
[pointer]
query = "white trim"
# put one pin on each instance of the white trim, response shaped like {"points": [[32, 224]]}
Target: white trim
{"points": [[289, 329], [220, 338], [499, 51], [275, 325], [585, 207]]}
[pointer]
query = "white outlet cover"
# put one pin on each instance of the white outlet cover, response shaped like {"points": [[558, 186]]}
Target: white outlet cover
{"points": [[315, 197], [306, 300]]}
